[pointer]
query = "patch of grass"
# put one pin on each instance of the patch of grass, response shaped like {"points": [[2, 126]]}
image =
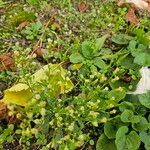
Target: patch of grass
{"points": [[102, 54]]}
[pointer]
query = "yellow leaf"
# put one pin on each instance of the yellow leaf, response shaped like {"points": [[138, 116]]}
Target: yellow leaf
{"points": [[77, 66], [18, 94], [53, 74]]}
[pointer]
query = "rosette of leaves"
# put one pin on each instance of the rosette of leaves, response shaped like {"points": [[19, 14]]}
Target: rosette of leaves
{"points": [[90, 54], [32, 31]]}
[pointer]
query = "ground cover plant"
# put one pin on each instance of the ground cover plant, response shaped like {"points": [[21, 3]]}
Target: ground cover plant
{"points": [[66, 70]]}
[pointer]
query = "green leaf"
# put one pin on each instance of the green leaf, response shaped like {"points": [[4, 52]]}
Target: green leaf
{"points": [[141, 53], [145, 99], [76, 58], [127, 61], [100, 63], [121, 138], [145, 138], [127, 116], [110, 129], [126, 105], [104, 143], [100, 42], [87, 49], [117, 94], [142, 59], [132, 45], [131, 141], [142, 125], [121, 39]]}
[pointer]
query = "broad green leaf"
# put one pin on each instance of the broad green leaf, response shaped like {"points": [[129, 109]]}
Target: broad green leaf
{"points": [[129, 141], [100, 42], [142, 125], [126, 105], [76, 58], [53, 74], [100, 63], [87, 49], [121, 138], [104, 143], [118, 83], [145, 99], [145, 138], [110, 128], [18, 94], [132, 45], [127, 61], [133, 141], [142, 59], [121, 39], [117, 94], [127, 116], [105, 52]]}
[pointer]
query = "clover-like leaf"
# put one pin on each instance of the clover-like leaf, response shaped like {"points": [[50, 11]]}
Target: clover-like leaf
{"points": [[129, 141]]}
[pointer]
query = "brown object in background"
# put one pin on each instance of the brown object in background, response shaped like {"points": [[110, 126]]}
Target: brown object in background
{"points": [[6, 61], [82, 7], [131, 17]]}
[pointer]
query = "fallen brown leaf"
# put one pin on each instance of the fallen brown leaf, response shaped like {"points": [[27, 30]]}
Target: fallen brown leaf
{"points": [[22, 25], [82, 7], [3, 111], [58, 25], [39, 51], [131, 17], [6, 61], [4, 114]]}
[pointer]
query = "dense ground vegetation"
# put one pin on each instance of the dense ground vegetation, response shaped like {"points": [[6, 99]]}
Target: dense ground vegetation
{"points": [[92, 52]]}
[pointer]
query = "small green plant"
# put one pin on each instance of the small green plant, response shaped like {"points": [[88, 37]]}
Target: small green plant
{"points": [[90, 53], [32, 31]]}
